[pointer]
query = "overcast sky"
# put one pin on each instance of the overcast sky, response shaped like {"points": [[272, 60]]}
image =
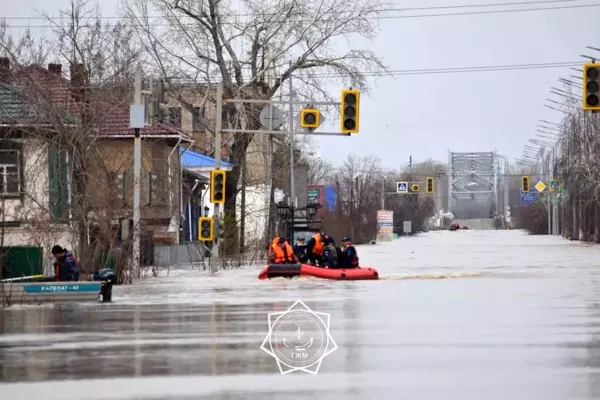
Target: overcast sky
{"points": [[427, 115]]}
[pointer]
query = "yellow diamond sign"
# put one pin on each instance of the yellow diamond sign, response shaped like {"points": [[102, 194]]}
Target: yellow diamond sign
{"points": [[540, 186]]}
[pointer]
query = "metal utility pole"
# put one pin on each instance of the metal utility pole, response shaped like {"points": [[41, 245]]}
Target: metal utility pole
{"points": [[217, 220], [137, 165], [382, 194], [291, 133]]}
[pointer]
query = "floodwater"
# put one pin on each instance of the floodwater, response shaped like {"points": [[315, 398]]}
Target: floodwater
{"points": [[465, 315]]}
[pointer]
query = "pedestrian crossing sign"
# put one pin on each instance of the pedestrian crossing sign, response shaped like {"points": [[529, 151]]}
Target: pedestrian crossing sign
{"points": [[402, 187], [554, 186]]}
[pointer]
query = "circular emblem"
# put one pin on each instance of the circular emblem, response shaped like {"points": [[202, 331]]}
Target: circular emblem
{"points": [[299, 339]]}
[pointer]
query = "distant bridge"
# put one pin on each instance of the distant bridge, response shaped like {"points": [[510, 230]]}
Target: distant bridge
{"points": [[477, 184]]}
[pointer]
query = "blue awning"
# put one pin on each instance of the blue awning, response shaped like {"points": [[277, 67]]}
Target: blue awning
{"points": [[191, 159]]}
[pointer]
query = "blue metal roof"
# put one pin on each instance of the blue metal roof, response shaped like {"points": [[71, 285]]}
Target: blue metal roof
{"points": [[191, 159]]}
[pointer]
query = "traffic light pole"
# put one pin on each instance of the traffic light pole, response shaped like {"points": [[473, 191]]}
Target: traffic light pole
{"points": [[217, 220]]}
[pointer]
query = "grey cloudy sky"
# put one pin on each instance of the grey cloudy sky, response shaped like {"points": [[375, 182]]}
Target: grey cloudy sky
{"points": [[425, 115]]}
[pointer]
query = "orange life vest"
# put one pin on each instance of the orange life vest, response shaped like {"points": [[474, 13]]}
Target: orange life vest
{"points": [[318, 247], [280, 255]]}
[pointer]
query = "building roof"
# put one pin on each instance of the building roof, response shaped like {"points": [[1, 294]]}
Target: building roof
{"points": [[117, 123], [191, 159], [13, 106]]}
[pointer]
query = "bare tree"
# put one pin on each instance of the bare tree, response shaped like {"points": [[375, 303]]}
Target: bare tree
{"points": [[255, 49]]}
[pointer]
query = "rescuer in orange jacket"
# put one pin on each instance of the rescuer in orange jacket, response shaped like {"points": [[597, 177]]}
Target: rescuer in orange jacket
{"points": [[314, 248], [281, 252]]}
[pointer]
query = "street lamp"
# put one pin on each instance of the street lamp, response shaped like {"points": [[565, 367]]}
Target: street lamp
{"points": [[283, 209]]}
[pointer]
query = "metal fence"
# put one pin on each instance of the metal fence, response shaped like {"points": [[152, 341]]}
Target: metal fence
{"points": [[191, 253]]}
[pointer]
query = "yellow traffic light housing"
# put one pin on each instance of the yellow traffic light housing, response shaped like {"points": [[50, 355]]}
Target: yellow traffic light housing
{"points": [[591, 86], [217, 186], [206, 229], [310, 118], [350, 111], [525, 184], [415, 188], [429, 185]]}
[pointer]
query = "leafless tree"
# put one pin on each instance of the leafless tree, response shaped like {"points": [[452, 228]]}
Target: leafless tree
{"points": [[254, 50]]}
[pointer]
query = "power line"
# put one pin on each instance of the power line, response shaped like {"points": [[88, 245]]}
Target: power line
{"points": [[448, 70], [510, 67], [337, 13], [333, 14]]}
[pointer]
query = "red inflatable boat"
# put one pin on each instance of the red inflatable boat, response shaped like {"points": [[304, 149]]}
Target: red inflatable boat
{"points": [[342, 274]]}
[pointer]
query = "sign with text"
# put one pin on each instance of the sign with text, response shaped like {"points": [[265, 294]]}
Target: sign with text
{"points": [[385, 226], [62, 287]]}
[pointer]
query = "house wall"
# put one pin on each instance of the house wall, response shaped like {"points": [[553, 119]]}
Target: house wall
{"points": [[112, 187], [26, 219], [204, 141]]}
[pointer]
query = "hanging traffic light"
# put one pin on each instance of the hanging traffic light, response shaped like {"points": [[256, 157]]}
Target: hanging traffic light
{"points": [[310, 118], [206, 229], [591, 86], [429, 185], [217, 186], [350, 111], [161, 108], [525, 184]]}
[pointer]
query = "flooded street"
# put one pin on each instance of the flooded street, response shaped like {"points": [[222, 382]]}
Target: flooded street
{"points": [[518, 317]]}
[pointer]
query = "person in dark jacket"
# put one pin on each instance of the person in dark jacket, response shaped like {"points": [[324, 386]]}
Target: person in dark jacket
{"points": [[330, 253], [66, 266], [300, 250], [349, 254]]}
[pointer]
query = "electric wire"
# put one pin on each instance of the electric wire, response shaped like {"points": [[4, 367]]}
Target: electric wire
{"points": [[334, 14]]}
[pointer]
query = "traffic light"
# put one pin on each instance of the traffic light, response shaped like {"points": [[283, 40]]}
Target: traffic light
{"points": [[350, 111], [415, 188], [591, 86], [217, 186], [429, 185], [525, 184], [206, 229], [310, 118], [161, 109]]}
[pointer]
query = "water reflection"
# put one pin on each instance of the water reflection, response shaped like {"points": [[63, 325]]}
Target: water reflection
{"points": [[72, 342]]}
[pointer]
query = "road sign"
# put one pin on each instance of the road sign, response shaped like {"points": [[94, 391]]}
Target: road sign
{"points": [[407, 227], [553, 185], [415, 187], [527, 198], [402, 187], [273, 114], [540, 186]]}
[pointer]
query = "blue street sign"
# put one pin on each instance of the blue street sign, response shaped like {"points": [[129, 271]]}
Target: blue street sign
{"points": [[402, 187], [554, 185], [527, 198], [62, 288]]}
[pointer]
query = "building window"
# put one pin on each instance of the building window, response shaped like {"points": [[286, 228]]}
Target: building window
{"points": [[197, 119], [10, 172], [175, 116]]}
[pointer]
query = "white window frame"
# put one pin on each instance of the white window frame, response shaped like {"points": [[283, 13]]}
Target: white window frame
{"points": [[4, 174]]}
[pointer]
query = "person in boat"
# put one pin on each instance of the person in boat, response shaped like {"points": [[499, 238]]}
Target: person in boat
{"points": [[349, 253], [300, 250], [281, 252], [314, 249], [66, 266], [330, 253]]}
